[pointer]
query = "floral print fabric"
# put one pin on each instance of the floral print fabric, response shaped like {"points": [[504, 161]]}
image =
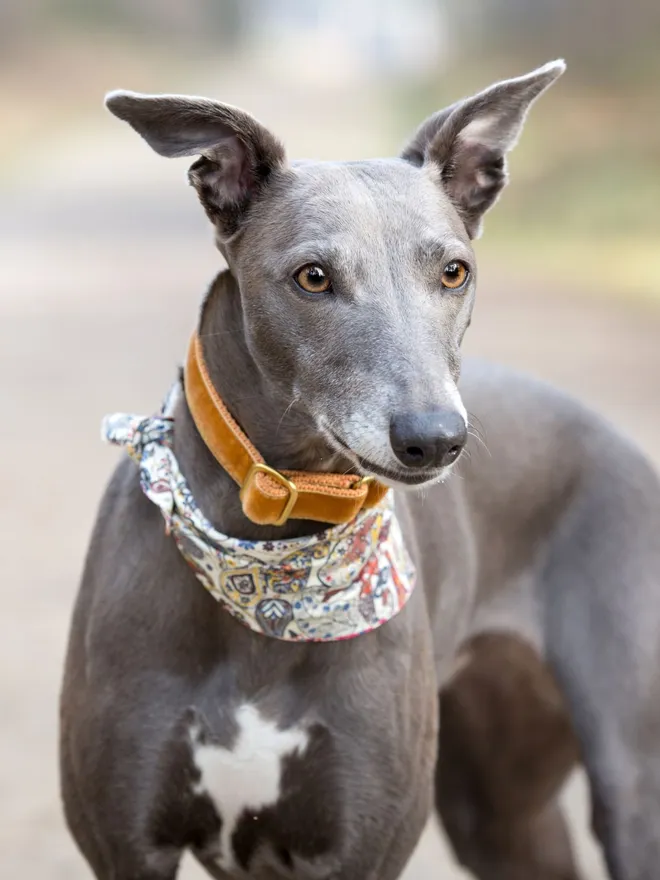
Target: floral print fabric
{"points": [[331, 586]]}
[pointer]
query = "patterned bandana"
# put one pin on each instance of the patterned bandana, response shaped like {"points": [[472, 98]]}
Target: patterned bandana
{"points": [[331, 586]]}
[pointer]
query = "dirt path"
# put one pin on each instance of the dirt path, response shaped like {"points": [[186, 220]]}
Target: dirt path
{"points": [[103, 263]]}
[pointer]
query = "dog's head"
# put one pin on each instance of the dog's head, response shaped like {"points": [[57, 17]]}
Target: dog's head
{"points": [[356, 278]]}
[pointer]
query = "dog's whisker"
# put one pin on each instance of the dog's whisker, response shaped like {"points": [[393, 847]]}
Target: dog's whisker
{"points": [[476, 423], [284, 415], [479, 440], [476, 431]]}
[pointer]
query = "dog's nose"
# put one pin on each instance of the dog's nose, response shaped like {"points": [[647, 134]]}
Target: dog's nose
{"points": [[428, 439]]}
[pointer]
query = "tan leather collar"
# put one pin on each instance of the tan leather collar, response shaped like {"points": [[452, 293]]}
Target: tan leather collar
{"points": [[269, 497]]}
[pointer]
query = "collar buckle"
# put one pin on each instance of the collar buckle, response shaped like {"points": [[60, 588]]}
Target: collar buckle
{"points": [[289, 485]]}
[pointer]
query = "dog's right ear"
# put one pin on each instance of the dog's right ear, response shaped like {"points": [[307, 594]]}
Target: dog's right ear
{"points": [[237, 154], [467, 143]]}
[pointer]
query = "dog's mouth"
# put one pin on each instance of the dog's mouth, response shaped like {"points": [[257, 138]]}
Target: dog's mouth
{"points": [[387, 475]]}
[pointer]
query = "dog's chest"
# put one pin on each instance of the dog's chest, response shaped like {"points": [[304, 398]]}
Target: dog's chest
{"points": [[256, 786]]}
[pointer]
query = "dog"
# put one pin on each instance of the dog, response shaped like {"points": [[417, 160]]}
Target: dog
{"points": [[312, 436]]}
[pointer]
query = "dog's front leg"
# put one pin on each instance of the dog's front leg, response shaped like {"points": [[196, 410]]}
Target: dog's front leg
{"points": [[601, 600]]}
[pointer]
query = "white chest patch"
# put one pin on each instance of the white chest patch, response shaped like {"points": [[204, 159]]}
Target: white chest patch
{"points": [[247, 776]]}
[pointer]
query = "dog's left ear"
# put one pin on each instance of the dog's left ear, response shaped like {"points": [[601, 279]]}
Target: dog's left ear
{"points": [[237, 154], [468, 141]]}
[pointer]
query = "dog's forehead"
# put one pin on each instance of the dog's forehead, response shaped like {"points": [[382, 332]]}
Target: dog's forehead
{"points": [[363, 196]]}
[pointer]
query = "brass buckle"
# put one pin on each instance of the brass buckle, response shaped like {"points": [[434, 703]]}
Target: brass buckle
{"points": [[292, 489]]}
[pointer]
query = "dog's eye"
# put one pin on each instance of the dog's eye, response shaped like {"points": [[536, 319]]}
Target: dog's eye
{"points": [[313, 279], [455, 275]]}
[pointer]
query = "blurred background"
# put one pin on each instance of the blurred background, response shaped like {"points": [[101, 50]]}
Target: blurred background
{"points": [[104, 256]]}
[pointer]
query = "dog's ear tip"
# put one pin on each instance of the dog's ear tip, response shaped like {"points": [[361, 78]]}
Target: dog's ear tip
{"points": [[118, 99], [556, 68], [537, 81]]}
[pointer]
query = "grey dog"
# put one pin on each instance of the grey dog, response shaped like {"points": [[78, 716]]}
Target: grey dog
{"points": [[550, 538]]}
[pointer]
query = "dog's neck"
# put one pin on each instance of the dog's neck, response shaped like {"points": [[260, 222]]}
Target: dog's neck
{"points": [[279, 427]]}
